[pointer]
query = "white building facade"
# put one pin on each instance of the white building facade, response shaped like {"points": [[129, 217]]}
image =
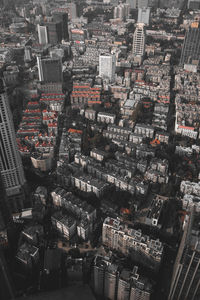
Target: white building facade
{"points": [[107, 66], [139, 40]]}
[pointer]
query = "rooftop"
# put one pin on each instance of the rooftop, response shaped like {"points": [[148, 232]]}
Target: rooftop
{"points": [[26, 251]]}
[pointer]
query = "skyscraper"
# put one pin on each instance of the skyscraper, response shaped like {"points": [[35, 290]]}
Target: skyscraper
{"points": [[123, 288], [110, 281], [98, 275], [72, 10], [139, 40], [6, 286], [107, 66], [191, 47], [10, 161], [121, 11], [138, 3], [59, 16], [4, 205], [144, 15], [42, 34], [54, 32], [49, 69], [185, 284]]}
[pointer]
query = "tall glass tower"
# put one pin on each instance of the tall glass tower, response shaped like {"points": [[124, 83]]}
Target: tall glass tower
{"points": [[49, 69], [191, 47], [11, 168], [185, 284]]}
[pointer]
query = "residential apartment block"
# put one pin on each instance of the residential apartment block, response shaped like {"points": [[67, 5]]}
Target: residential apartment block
{"points": [[119, 236]]}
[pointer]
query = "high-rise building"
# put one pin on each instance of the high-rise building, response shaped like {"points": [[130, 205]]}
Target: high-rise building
{"points": [[123, 289], [172, 3], [55, 30], [4, 205], [140, 286], [193, 4], [110, 281], [6, 286], [139, 294], [107, 66], [59, 16], [153, 3], [99, 268], [144, 15], [72, 10], [185, 284], [134, 4], [49, 69], [121, 11], [105, 277], [139, 40], [27, 54], [191, 46], [42, 34], [11, 168]]}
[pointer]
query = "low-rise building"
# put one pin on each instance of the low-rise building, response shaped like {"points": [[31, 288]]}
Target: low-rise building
{"points": [[65, 225], [70, 144], [43, 162], [84, 229], [154, 212], [27, 255], [145, 130], [80, 209], [115, 135], [187, 131], [190, 201], [119, 129], [33, 234], [90, 114], [89, 184], [162, 137], [97, 154], [129, 107], [84, 94], [136, 138], [184, 151], [41, 194], [191, 188], [157, 171], [144, 151], [107, 118], [53, 101]]}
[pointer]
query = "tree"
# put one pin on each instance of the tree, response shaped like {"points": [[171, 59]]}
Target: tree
{"points": [[97, 141]]}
